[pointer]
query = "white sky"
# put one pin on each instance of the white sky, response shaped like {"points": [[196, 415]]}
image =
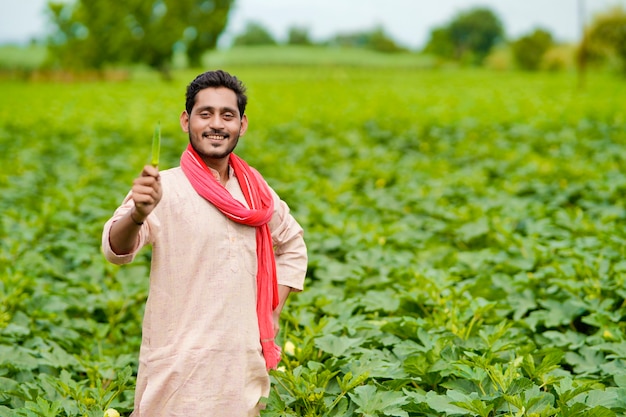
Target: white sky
{"points": [[407, 21]]}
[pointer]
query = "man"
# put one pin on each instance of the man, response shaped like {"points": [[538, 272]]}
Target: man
{"points": [[226, 253]]}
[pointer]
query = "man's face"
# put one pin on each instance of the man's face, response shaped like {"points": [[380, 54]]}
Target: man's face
{"points": [[214, 125]]}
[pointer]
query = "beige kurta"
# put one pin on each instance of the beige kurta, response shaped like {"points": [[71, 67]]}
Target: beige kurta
{"points": [[200, 354]]}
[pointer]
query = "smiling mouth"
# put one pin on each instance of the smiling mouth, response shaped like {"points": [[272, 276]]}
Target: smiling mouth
{"points": [[214, 136]]}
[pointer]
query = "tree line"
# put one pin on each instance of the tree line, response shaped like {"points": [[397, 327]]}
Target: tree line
{"points": [[91, 34]]}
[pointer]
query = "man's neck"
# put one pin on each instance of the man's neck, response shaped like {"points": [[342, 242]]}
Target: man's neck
{"points": [[221, 167]]}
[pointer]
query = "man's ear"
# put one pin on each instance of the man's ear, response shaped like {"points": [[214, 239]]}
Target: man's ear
{"points": [[184, 121], [244, 125]]}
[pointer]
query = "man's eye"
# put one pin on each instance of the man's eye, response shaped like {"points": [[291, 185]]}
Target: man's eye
{"points": [[205, 114], [228, 115]]}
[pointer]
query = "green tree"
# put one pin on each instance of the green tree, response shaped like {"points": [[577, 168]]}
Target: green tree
{"points": [[205, 20], [440, 43], [253, 35], [528, 50], [94, 33], [298, 36], [469, 37], [378, 40], [606, 36]]}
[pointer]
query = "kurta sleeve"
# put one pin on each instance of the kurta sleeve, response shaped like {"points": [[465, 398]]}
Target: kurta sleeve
{"points": [[289, 246], [144, 237]]}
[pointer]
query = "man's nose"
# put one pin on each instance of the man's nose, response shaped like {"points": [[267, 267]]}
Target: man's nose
{"points": [[216, 122]]}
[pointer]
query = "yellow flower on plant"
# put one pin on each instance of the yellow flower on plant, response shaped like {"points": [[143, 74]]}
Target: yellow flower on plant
{"points": [[290, 348], [111, 412]]}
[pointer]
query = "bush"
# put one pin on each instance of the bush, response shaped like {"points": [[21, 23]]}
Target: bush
{"points": [[606, 38], [528, 50], [298, 36], [558, 58], [500, 59], [255, 34]]}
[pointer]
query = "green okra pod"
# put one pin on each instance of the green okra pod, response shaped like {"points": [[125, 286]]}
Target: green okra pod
{"points": [[156, 145]]}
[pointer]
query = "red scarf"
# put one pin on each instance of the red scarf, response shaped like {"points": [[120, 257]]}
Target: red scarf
{"points": [[261, 203]]}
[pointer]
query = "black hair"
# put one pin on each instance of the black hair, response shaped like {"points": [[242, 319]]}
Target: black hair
{"points": [[217, 78]]}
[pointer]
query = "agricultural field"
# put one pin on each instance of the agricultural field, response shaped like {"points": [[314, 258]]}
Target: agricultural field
{"points": [[466, 233]]}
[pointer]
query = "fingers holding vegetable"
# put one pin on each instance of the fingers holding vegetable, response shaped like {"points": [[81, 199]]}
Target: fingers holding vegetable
{"points": [[147, 187], [146, 191]]}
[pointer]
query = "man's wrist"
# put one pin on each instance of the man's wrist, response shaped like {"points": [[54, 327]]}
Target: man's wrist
{"points": [[138, 223]]}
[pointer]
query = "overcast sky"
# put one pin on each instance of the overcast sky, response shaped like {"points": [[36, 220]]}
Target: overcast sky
{"points": [[407, 21]]}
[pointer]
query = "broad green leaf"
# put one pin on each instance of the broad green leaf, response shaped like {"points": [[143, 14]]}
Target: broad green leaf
{"points": [[587, 361], [6, 412], [373, 402], [337, 345], [606, 398], [538, 401], [620, 380], [470, 231], [445, 403], [18, 357], [599, 411]]}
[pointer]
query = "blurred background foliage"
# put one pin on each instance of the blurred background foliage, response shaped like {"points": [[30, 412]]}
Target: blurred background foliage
{"points": [[606, 38], [92, 34], [91, 37]]}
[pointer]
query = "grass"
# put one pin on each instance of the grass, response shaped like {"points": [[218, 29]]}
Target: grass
{"points": [[315, 56], [14, 57]]}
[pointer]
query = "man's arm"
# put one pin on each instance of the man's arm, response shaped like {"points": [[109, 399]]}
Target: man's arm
{"points": [[290, 254], [146, 194], [283, 294]]}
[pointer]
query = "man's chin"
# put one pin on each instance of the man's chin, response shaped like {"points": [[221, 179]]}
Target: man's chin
{"points": [[216, 151], [215, 154]]}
